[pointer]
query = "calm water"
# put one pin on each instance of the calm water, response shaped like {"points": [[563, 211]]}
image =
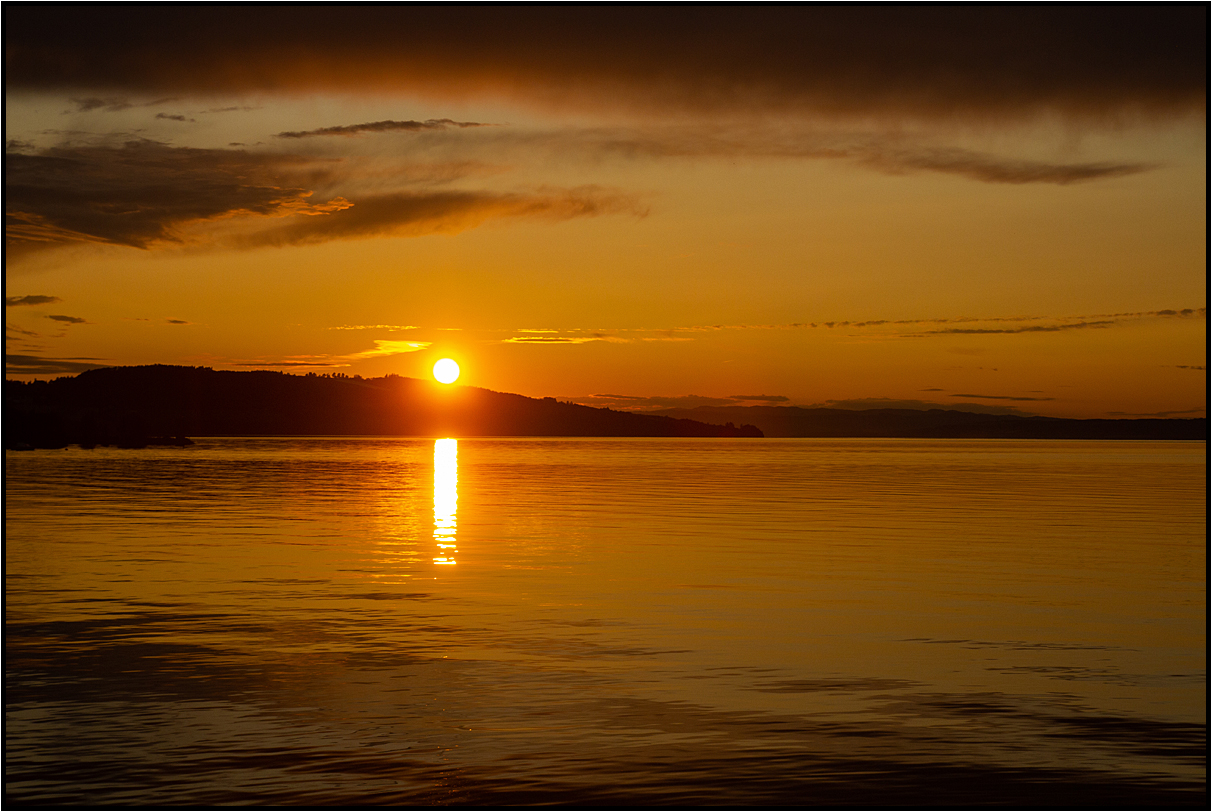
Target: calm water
{"points": [[873, 623]]}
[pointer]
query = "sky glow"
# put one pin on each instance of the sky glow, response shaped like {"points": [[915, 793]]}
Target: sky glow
{"points": [[622, 206]]}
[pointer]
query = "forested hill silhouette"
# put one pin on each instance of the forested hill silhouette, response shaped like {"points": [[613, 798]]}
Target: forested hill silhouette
{"points": [[142, 405], [795, 421]]}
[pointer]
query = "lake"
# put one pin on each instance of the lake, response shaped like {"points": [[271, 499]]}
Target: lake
{"points": [[604, 622]]}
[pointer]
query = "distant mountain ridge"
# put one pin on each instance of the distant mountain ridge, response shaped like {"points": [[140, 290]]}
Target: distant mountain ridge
{"points": [[150, 405], [797, 421]]}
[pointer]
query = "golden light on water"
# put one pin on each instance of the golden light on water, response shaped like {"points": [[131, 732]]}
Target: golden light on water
{"points": [[446, 371], [445, 496]]}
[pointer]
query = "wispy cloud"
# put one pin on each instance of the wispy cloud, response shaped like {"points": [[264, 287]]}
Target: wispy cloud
{"points": [[320, 363], [13, 331], [382, 348], [38, 365], [998, 397], [68, 319], [917, 405], [443, 212], [384, 127], [891, 154], [389, 327], [387, 347], [1033, 328], [1194, 412], [538, 339], [15, 301], [113, 104], [641, 403], [176, 117], [991, 168], [890, 328], [532, 335], [109, 105], [760, 398]]}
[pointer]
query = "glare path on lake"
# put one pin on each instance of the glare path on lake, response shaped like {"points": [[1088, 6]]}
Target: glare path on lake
{"points": [[445, 498]]}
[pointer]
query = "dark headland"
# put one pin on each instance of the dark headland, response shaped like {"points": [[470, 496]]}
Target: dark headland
{"points": [[164, 405]]}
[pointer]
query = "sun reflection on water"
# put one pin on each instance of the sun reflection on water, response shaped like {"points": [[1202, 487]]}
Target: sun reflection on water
{"points": [[445, 498]]}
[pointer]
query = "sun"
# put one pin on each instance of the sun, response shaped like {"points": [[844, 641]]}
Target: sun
{"points": [[446, 371]]}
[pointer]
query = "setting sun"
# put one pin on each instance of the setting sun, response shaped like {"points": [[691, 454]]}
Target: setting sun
{"points": [[446, 371]]}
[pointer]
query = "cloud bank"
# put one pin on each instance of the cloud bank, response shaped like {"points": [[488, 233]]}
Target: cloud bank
{"points": [[383, 127], [144, 194], [141, 193], [921, 61]]}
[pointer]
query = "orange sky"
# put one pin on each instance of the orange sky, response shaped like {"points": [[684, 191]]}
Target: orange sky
{"points": [[1003, 208]]}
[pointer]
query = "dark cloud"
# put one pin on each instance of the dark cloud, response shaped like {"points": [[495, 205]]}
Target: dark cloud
{"points": [[145, 193], [415, 213], [1200, 367], [999, 397], [37, 365], [920, 405], [919, 60], [639, 403], [176, 321], [172, 117], [1030, 328], [13, 331], [110, 105], [68, 319], [384, 127], [141, 193], [894, 155], [993, 169], [14, 301]]}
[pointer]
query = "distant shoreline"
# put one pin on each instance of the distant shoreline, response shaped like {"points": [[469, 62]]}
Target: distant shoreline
{"points": [[136, 407]]}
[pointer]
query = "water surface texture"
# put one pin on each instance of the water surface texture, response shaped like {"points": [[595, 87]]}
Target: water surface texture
{"points": [[365, 621]]}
